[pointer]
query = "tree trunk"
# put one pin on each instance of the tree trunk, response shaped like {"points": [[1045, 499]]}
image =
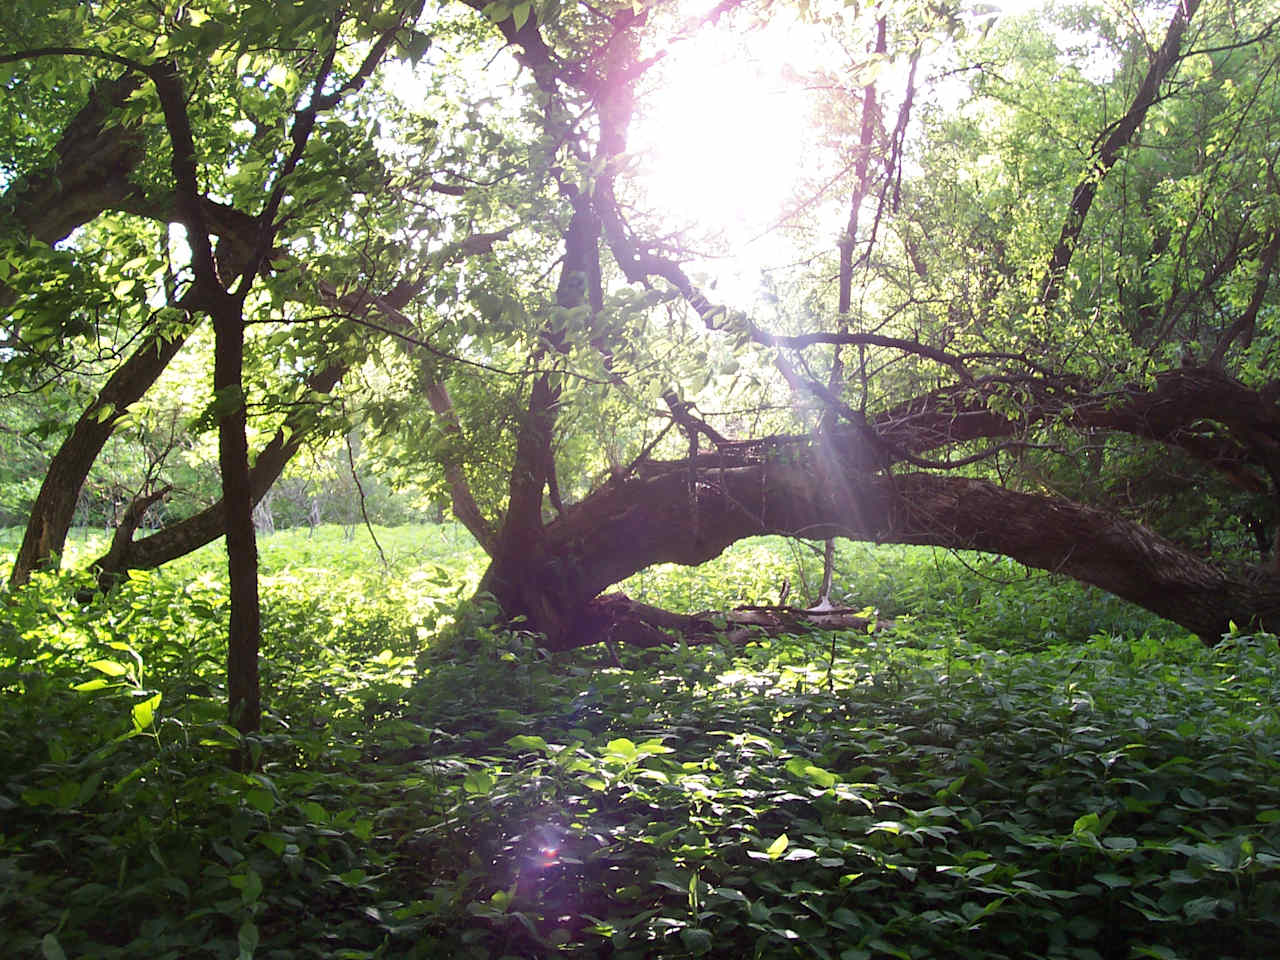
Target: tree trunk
{"points": [[525, 575], [55, 504], [623, 528], [181, 538], [238, 499]]}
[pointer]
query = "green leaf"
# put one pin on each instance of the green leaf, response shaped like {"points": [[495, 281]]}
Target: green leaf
{"points": [[479, 782], [804, 770], [1088, 824], [275, 842], [696, 940], [416, 46], [252, 888], [144, 714], [622, 748], [51, 949], [88, 787], [1112, 880], [885, 947], [260, 800], [525, 742], [247, 939], [776, 848], [314, 812], [109, 667], [521, 14]]}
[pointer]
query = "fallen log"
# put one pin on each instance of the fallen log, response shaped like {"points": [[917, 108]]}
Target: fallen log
{"points": [[614, 618]]}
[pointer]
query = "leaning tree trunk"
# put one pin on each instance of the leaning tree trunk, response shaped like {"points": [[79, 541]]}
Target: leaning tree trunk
{"points": [[86, 173], [179, 539], [55, 504], [524, 574], [623, 528]]}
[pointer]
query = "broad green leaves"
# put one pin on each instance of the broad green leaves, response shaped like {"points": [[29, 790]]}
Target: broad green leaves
{"points": [[940, 796]]}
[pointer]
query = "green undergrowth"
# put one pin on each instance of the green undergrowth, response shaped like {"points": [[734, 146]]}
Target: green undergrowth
{"points": [[933, 791]]}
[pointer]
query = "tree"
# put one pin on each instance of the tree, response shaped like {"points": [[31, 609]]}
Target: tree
{"points": [[1051, 281], [218, 287], [1021, 380]]}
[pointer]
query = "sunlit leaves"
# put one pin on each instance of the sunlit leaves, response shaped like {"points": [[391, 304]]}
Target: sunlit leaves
{"points": [[940, 794]]}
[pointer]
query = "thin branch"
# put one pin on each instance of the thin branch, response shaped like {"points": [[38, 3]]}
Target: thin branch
{"points": [[804, 340], [36, 53], [1244, 325], [364, 512]]}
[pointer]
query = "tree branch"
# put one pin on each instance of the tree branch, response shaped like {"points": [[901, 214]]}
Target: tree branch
{"points": [[1121, 134]]}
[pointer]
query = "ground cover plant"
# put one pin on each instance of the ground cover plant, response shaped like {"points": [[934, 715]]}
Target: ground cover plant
{"points": [[938, 790], [910, 308]]}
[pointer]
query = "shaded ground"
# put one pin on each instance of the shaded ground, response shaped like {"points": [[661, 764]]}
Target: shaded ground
{"points": [[937, 791]]}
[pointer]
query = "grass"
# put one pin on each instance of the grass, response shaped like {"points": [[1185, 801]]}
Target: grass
{"points": [[1020, 769]]}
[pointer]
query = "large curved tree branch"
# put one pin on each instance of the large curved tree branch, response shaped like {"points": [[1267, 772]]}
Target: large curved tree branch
{"points": [[624, 528], [55, 504], [181, 538]]}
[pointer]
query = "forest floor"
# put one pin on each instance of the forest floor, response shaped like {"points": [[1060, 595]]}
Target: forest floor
{"points": [[1021, 767]]}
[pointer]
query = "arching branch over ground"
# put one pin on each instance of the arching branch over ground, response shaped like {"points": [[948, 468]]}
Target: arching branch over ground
{"points": [[790, 486], [846, 480]]}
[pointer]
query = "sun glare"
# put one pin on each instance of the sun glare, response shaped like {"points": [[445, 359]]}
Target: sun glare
{"points": [[724, 133], [728, 136]]}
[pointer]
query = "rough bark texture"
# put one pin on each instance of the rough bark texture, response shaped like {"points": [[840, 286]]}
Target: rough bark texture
{"points": [[88, 171], [464, 503], [179, 539], [1201, 410], [524, 570], [616, 618], [245, 632], [132, 518]]}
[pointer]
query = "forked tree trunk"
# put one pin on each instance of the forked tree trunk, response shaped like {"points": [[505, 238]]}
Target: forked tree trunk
{"points": [[179, 539]]}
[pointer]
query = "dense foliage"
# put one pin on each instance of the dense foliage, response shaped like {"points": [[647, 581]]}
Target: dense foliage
{"points": [[270, 264], [984, 780]]}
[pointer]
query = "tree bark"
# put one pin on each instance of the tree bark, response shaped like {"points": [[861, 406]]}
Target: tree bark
{"points": [[525, 574], [789, 488], [203, 528], [130, 522], [237, 495], [1118, 139], [87, 172], [181, 538], [463, 501]]}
